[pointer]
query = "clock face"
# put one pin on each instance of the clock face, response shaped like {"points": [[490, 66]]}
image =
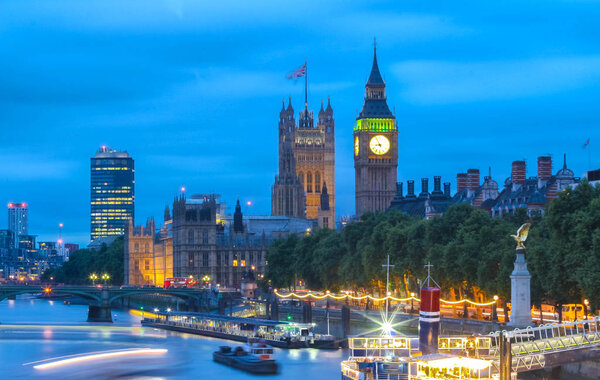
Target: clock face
{"points": [[356, 146], [379, 144]]}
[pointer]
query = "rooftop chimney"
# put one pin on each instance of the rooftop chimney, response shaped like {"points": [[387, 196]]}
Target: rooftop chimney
{"points": [[447, 189], [544, 169], [399, 190], [519, 171], [410, 184], [424, 188], [462, 182], [473, 179], [437, 185]]}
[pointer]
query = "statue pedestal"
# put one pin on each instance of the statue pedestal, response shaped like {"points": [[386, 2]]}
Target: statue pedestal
{"points": [[520, 293]]}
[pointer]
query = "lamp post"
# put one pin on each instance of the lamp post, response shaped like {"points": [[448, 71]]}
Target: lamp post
{"points": [[412, 303], [495, 310], [93, 277], [105, 278]]}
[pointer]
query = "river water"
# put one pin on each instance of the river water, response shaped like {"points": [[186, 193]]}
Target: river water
{"points": [[35, 331]]}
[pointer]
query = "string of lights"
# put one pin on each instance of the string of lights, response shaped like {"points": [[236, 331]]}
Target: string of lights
{"points": [[376, 299]]}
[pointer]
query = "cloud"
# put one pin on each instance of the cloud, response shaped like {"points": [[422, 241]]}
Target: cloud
{"points": [[399, 25], [445, 82], [25, 166]]}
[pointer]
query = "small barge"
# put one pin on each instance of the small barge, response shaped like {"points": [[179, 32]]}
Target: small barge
{"points": [[255, 357], [279, 334]]}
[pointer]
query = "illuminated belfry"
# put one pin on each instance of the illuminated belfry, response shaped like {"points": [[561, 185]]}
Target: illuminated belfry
{"points": [[375, 148], [111, 193]]}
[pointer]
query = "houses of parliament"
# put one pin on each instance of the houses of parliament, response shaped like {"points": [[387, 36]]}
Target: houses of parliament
{"points": [[305, 185]]}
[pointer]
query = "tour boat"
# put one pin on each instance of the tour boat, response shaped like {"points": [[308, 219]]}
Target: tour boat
{"points": [[398, 358], [424, 357], [255, 357]]}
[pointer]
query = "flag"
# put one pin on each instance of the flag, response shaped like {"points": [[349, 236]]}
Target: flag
{"points": [[300, 72], [585, 144]]}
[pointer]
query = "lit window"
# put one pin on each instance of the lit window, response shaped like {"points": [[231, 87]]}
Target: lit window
{"points": [[243, 263], [235, 263]]}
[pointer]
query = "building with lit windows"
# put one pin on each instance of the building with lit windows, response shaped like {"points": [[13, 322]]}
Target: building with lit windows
{"points": [[17, 221], [112, 192], [306, 165], [201, 239]]}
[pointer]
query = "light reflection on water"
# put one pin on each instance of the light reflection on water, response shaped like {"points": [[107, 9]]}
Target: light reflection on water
{"points": [[33, 330]]}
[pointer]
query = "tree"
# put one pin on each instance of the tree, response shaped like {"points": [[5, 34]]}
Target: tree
{"points": [[107, 259]]}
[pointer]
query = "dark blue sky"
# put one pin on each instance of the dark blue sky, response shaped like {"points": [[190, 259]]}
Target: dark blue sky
{"points": [[193, 89]]}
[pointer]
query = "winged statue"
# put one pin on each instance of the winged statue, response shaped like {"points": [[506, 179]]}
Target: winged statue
{"points": [[521, 235]]}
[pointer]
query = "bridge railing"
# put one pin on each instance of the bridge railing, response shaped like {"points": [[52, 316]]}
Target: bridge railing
{"points": [[550, 337]]}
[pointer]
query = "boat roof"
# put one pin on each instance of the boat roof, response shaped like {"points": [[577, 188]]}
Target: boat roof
{"points": [[247, 321]]}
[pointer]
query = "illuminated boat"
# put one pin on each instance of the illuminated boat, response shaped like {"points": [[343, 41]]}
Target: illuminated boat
{"points": [[397, 358], [282, 334], [424, 357]]}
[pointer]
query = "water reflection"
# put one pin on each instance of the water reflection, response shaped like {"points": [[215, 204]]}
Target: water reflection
{"points": [[33, 330]]}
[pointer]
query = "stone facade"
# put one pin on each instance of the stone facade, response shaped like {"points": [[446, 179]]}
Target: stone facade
{"points": [[148, 254], [306, 163], [287, 196], [531, 193], [375, 148], [200, 239], [203, 245]]}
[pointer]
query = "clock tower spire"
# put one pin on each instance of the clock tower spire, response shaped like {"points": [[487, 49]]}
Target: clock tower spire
{"points": [[375, 147]]}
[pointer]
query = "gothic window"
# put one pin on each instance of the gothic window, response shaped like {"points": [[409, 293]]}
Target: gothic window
{"points": [[137, 265], [226, 260], [317, 182], [301, 179], [325, 222], [309, 182], [190, 237], [205, 259], [191, 259], [147, 248], [136, 247], [146, 264], [218, 259], [205, 237], [251, 258]]}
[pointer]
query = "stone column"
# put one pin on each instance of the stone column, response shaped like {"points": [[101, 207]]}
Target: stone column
{"points": [[520, 294]]}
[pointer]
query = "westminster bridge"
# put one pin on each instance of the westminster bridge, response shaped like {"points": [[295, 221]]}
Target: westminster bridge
{"points": [[100, 298]]}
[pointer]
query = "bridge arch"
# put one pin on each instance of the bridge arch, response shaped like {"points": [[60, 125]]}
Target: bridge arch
{"points": [[186, 296], [83, 294]]}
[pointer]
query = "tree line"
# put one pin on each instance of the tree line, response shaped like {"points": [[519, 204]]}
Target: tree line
{"points": [[472, 253], [82, 263]]}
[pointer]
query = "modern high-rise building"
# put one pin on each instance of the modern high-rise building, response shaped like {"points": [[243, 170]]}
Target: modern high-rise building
{"points": [[17, 221], [375, 148], [112, 192]]}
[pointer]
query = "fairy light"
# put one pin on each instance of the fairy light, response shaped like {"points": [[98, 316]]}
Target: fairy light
{"points": [[312, 294]]}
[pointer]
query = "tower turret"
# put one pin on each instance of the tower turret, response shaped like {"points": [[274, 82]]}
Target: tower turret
{"points": [[375, 147]]}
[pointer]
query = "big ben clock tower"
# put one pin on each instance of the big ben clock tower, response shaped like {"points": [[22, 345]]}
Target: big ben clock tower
{"points": [[375, 148]]}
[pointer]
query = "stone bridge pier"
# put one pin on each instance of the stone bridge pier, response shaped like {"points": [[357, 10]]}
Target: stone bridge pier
{"points": [[101, 312]]}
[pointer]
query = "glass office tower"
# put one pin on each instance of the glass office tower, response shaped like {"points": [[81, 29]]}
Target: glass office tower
{"points": [[112, 192]]}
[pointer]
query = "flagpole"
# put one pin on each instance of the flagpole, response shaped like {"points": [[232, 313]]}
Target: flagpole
{"points": [[306, 82]]}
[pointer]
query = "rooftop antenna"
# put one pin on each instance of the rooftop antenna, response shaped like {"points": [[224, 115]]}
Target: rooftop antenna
{"points": [[428, 279], [387, 286]]}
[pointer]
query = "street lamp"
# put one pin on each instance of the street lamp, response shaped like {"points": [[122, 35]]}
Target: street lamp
{"points": [[206, 279], [105, 277], [93, 277], [412, 304], [495, 309]]}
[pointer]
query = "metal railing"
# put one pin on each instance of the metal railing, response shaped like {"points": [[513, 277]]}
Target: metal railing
{"points": [[529, 345]]}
